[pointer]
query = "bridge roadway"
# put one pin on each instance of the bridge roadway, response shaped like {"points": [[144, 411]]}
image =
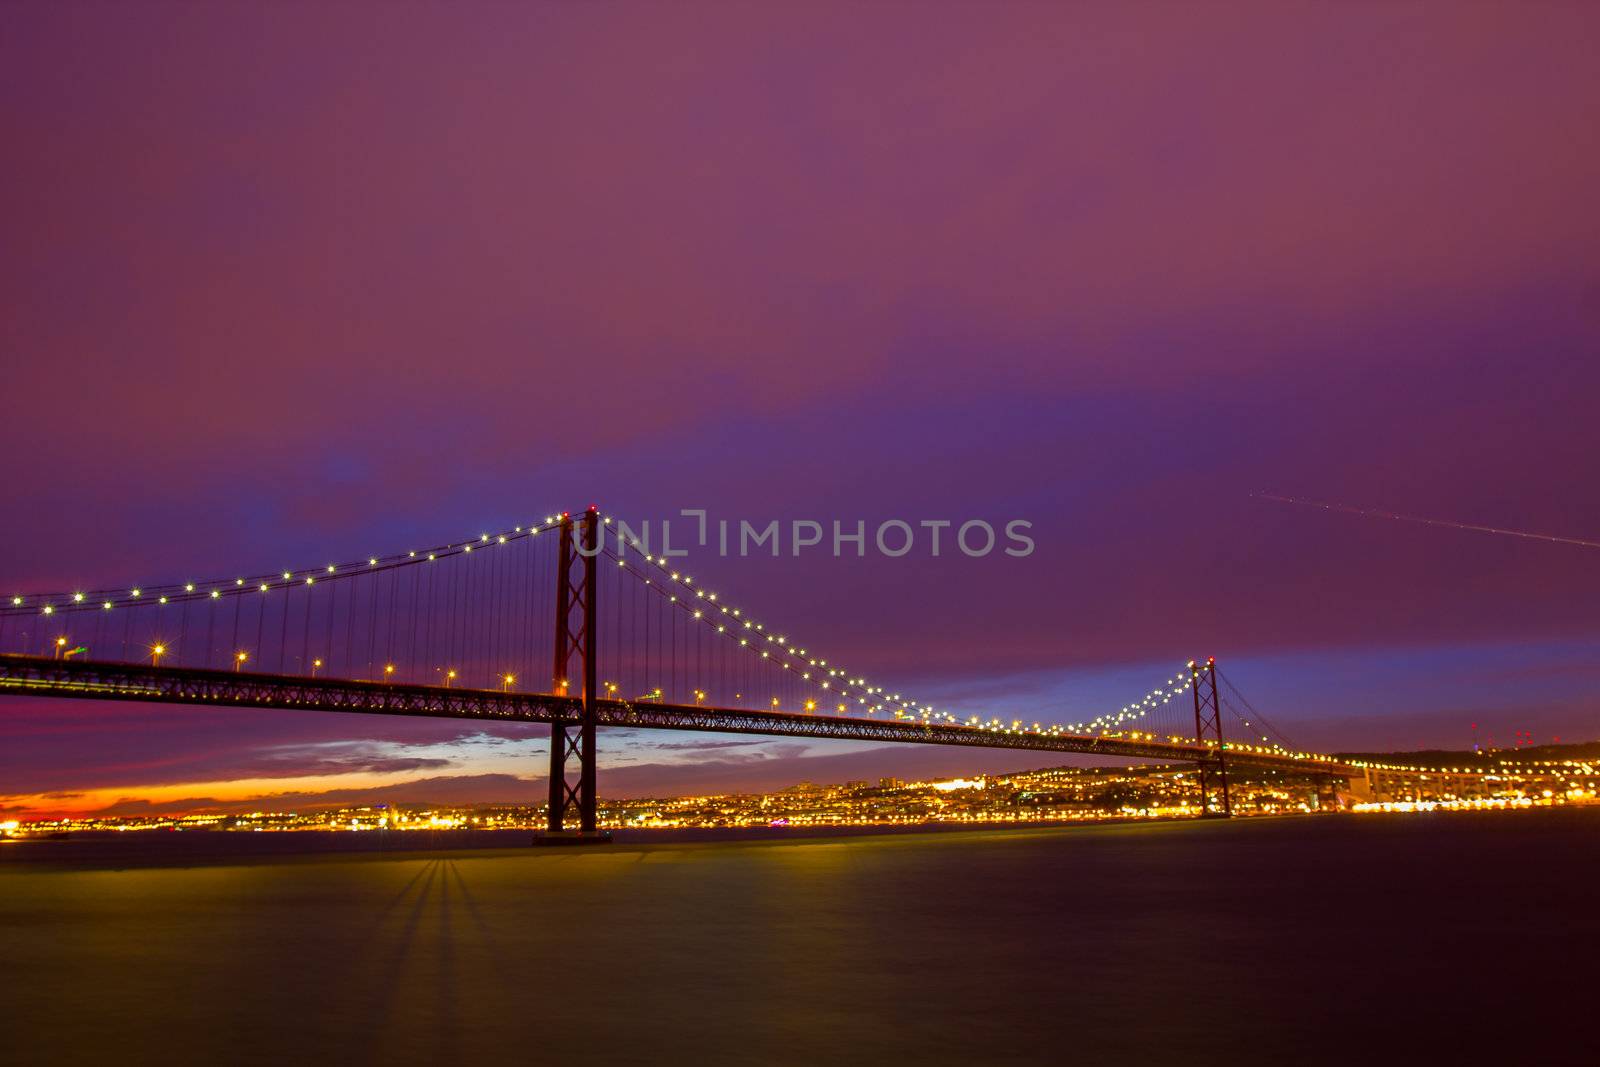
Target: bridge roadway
{"points": [[88, 679]]}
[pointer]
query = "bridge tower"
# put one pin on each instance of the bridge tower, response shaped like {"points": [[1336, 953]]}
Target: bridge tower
{"points": [[572, 740], [1208, 727]]}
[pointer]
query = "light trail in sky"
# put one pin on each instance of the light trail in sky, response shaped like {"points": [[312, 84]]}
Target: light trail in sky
{"points": [[1448, 524]]}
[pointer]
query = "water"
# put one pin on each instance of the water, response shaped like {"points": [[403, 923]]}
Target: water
{"points": [[1345, 939]]}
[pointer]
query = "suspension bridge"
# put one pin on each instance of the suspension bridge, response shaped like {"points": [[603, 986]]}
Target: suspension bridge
{"points": [[464, 630]]}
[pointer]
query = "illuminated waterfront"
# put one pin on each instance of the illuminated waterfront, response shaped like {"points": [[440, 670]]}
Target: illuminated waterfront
{"points": [[1045, 796]]}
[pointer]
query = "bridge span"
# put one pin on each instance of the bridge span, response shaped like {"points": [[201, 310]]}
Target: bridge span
{"points": [[447, 631], [88, 679]]}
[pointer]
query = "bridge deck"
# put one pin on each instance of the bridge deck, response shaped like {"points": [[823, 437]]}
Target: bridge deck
{"points": [[39, 677]]}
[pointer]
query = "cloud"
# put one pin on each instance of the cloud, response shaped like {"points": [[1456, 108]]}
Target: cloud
{"points": [[455, 789], [291, 767], [701, 746], [778, 771]]}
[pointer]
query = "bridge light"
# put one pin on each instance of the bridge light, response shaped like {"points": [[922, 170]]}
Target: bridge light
{"points": [[48, 610], [133, 592], [156, 652], [263, 587], [16, 602], [189, 588], [507, 679], [310, 580], [330, 568], [239, 658], [106, 605], [388, 668], [316, 663], [215, 594], [238, 581], [163, 600], [77, 598], [373, 562]]}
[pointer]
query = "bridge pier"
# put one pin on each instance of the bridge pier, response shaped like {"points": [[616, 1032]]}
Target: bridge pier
{"points": [[1213, 773], [573, 740]]}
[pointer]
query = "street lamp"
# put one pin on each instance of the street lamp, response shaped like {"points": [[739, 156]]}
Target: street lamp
{"points": [[699, 695], [314, 665], [811, 705], [239, 658], [156, 652], [388, 671], [61, 642], [449, 676], [506, 680]]}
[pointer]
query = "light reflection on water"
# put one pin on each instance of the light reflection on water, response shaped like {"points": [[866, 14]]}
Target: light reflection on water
{"points": [[1292, 939]]}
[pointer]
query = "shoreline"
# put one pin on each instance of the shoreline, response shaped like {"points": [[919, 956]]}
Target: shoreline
{"points": [[111, 850]]}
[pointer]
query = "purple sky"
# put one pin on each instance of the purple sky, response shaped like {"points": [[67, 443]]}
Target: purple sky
{"points": [[290, 282]]}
